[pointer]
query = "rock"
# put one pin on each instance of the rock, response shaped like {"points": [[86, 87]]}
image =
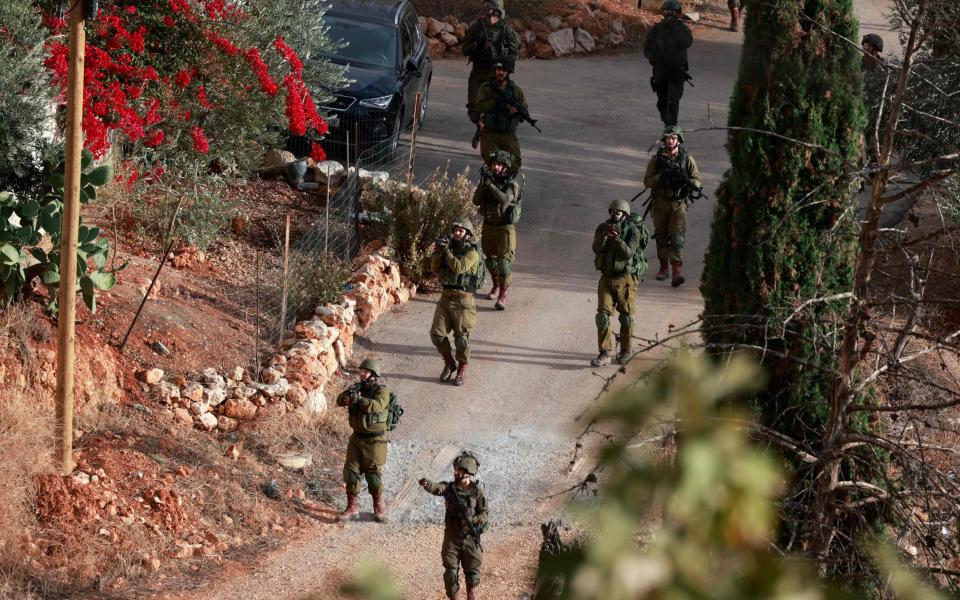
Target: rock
{"points": [[245, 410], [150, 376], [693, 17], [182, 416], [165, 392], [307, 348], [316, 403], [553, 22], [243, 391], [460, 30], [233, 453], [434, 27], [538, 27], [207, 421], [562, 41], [297, 394], [237, 374], [227, 424], [574, 21], [616, 26], [314, 329], [449, 39], [150, 563], [529, 37], [81, 478], [328, 172], [239, 226], [159, 348], [214, 396], [212, 378], [193, 392], [295, 462], [584, 41], [198, 408], [437, 47], [272, 411], [269, 375], [613, 39], [274, 161], [274, 390]]}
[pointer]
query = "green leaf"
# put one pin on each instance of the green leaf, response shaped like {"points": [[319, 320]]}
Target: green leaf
{"points": [[55, 181], [86, 159], [102, 280], [92, 233], [86, 284], [100, 176], [51, 277], [6, 198], [88, 194], [100, 259], [9, 254], [39, 254], [28, 210], [90, 299]]}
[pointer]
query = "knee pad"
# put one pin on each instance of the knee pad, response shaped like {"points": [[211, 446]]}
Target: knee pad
{"points": [[492, 265], [504, 266], [352, 479], [439, 341], [373, 482], [472, 577], [451, 581], [626, 321], [603, 321], [677, 240], [461, 342]]}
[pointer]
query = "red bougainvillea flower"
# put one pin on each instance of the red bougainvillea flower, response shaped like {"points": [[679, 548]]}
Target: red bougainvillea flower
{"points": [[134, 176], [168, 21], [202, 97], [183, 78], [289, 55], [223, 43], [155, 139], [267, 84], [317, 153], [294, 110], [200, 143]]}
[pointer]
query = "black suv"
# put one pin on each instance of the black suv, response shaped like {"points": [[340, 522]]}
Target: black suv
{"points": [[386, 54]]}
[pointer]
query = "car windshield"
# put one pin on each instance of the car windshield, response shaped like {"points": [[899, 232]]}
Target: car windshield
{"points": [[363, 42]]}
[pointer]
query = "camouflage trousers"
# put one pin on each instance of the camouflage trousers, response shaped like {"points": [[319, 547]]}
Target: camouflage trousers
{"points": [[460, 550], [670, 228], [365, 456], [669, 88], [491, 141], [499, 245], [616, 293], [456, 312], [477, 76]]}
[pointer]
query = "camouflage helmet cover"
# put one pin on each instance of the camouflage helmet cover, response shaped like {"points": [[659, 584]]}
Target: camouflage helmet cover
{"points": [[373, 365], [492, 5], [468, 462], [874, 40], [673, 130], [501, 156], [505, 63], [463, 222], [671, 5], [621, 205]]}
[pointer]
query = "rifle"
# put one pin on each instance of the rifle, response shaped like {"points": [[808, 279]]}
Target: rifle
{"points": [[463, 511], [671, 176], [523, 113]]}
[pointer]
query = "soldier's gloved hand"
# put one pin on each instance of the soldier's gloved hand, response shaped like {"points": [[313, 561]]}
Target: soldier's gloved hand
{"points": [[423, 482]]}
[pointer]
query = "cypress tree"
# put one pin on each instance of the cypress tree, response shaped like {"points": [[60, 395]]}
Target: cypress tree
{"points": [[783, 235]]}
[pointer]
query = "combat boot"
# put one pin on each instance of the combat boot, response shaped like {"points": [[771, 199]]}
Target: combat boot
{"points": [[502, 299], [461, 369], [495, 290], [623, 358], [351, 511], [678, 279], [378, 512], [449, 367], [663, 273], [602, 359], [472, 593], [734, 19]]}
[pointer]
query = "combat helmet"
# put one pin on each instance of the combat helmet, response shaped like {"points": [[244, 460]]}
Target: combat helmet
{"points": [[671, 5], [673, 130], [505, 63], [468, 462], [874, 40], [494, 5], [501, 156], [621, 205], [373, 365], [463, 222]]}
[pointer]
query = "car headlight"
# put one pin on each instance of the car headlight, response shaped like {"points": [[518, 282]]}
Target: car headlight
{"points": [[380, 103]]}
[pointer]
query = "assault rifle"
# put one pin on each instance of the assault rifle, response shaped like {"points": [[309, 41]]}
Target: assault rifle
{"points": [[523, 114], [474, 533], [686, 79], [674, 177]]}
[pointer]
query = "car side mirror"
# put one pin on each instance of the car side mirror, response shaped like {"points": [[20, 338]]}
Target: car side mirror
{"points": [[412, 67]]}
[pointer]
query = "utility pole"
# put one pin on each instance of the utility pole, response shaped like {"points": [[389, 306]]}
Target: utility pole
{"points": [[67, 294]]}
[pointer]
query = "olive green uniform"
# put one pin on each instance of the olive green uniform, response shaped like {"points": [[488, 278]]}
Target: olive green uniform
{"points": [[617, 289], [496, 200], [499, 130], [459, 547], [367, 448], [485, 45], [665, 47], [456, 310], [669, 203]]}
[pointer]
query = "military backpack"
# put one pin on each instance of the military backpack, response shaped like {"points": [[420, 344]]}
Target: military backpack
{"points": [[638, 262], [394, 412], [512, 213]]}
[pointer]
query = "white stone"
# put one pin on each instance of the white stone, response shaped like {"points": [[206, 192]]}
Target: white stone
{"points": [[295, 462], [207, 421], [214, 396], [316, 403], [529, 38], [449, 39], [199, 408], [243, 391], [274, 390], [193, 391], [553, 22], [151, 376], [585, 41], [211, 377], [612, 39], [81, 478], [616, 26], [227, 424], [304, 348], [165, 392], [562, 41]]}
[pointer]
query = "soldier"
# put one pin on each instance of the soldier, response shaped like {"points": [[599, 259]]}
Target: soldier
{"points": [[666, 49], [874, 80], [465, 520], [498, 197], [368, 403], [674, 178], [736, 13], [455, 260], [502, 106], [615, 244], [872, 45], [489, 40]]}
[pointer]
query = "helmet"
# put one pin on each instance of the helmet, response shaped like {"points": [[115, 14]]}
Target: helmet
{"points": [[505, 63], [373, 365], [464, 222], [673, 130], [874, 40], [468, 462], [494, 5], [671, 5], [619, 205], [501, 156]]}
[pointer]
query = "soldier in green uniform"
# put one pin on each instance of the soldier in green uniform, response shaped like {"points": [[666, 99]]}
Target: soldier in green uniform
{"points": [[615, 242], [368, 402], [674, 178], [487, 41], [736, 13], [455, 260], [498, 197], [466, 515], [501, 105], [874, 80], [666, 49]]}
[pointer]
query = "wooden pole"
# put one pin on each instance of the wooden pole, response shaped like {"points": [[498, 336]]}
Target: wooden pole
{"points": [[67, 294], [413, 138], [286, 271]]}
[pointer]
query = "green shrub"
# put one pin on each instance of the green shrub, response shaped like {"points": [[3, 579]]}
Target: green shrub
{"points": [[205, 211], [315, 279], [410, 219]]}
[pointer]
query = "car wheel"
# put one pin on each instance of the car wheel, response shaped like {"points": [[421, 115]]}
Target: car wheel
{"points": [[423, 105], [390, 147]]}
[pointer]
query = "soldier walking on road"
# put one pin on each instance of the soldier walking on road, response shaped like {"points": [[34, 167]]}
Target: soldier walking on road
{"points": [[666, 49], [465, 521], [498, 197], [618, 245], [368, 404], [488, 40], [736, 13], [502, 107], [457, 263], [874, 81], [675, 180]]}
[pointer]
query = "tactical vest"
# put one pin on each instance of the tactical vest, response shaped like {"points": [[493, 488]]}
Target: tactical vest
{"points": [[369, 423], [606, 261], [467, 279], [490, 207], [497, 36], [669, 47], [664, 163], [500, 120]]}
